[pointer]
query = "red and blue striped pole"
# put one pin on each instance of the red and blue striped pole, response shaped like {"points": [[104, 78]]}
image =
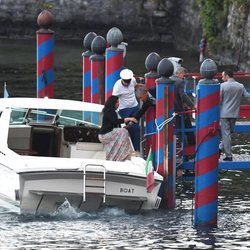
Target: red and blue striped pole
{"points": [[86, 67], [151, 64], [114, 60], [207, 147], [164, 112], [45, 56], [97, 65]]}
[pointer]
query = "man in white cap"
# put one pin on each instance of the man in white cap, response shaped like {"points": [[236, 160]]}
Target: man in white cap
{"points": [[124, 88]]}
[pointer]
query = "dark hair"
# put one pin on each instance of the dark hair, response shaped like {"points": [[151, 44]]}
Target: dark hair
{"points": [[110, 103], [229, 72], [181, 70], [140, 90]]}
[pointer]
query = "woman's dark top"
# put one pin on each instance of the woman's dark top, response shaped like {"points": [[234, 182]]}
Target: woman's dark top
{"points": [[110, 121]]}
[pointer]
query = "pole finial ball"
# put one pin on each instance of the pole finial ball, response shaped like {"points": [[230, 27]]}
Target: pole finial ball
{"points": [[165, 68], [152, 61], [88, 40], [98, 45], [114, 36], [208, 68], [45, 19]]}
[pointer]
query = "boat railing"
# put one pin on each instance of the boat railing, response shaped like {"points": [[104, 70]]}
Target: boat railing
{"points": [[183, 149]]}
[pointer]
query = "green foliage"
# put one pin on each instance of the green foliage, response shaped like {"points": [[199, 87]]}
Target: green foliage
{"points": [[212, 12], [44, 5], [238, 2], [213, 16]]}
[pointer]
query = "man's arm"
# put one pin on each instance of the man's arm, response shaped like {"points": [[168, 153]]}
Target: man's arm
{"points": [[245, 93], [185, 97], [116, 89], [145, 106]]}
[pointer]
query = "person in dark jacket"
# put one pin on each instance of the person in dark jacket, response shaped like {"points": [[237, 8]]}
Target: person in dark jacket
{"points": [[147, 96], [181, 103], [116, 140]]}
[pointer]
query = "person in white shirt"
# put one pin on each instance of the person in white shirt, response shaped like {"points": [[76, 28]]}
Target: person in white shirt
{"points": [[124, 88]]}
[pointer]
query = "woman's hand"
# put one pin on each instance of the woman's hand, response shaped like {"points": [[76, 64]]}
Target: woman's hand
{"points": [[130, 119], [133, 119]]}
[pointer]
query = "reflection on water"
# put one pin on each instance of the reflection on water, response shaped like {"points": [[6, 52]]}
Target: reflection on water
{"points": [[113, 228]]}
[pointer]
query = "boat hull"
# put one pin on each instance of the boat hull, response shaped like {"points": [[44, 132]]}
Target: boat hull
{"points": [[44, 192]]}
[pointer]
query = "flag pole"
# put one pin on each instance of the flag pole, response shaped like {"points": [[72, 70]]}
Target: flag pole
{"points": [[5, 91]]}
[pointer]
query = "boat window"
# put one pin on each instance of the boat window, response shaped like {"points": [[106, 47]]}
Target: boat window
{"points": [[25, 115], [75, 118], [18, 115], [57, 117]]}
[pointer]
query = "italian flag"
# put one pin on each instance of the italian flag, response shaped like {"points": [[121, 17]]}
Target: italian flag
{"points": [[149, 169]]}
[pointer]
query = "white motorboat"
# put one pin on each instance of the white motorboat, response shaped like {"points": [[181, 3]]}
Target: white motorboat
{"points": [[52, 144]]}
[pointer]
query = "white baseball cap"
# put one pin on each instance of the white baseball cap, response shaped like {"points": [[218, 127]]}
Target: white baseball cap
{"points": [[126, 74]]}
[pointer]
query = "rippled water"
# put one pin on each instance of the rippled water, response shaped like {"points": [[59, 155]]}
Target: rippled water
{"points": [[113, 228]]}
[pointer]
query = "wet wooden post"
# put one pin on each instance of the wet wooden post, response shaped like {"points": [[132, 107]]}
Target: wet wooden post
{"points": [[86, 72], [151, 64], [207, 146], [114, 60], [45, 55], [165, 111]]}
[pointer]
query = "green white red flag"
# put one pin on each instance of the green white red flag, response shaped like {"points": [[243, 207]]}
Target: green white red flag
{"points": [[149, 169]]}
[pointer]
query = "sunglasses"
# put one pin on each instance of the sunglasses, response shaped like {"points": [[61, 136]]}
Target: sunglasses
{"points": [[127, 81]]}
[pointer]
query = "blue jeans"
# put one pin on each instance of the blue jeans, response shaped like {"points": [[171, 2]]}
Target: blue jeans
{"points": [[134, 130]]}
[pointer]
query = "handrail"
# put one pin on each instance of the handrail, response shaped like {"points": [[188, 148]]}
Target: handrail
{"points": [[245, 111], [188, 111], [219, 75]]}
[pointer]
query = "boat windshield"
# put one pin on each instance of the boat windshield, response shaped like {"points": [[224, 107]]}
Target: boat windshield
{"points": [[55, 117]]}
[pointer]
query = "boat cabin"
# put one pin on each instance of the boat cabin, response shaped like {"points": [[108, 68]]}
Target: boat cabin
{"points": [[52, 132]]}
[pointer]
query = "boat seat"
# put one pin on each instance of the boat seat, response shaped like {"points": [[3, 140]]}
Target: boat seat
{"points": [[92, 150], [74, 134], [20, 139]]}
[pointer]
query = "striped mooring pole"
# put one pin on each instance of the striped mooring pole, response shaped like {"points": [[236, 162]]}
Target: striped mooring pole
{"points": [[97, 66], [151, 64], [114, 60], [207, 146], [86, 71], [164, 111], [45, 56]]}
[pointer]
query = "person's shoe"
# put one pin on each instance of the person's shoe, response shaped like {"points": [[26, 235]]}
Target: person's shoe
{"points": [[188, 173], [228, 159], [136, 154], [220, 152]]}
